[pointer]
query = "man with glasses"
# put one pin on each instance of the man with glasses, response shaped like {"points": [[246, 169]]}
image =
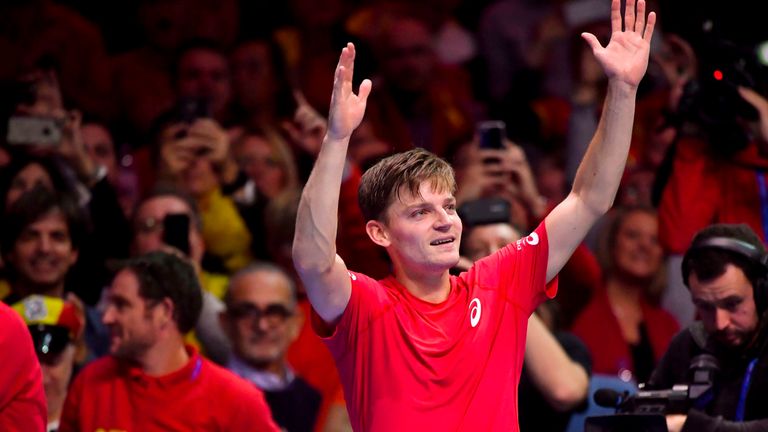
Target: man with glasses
{"points": [[261, 321], [152, 380]]}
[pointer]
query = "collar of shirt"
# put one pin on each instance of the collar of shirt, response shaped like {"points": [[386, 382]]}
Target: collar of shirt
{"points": [[264, 380]]}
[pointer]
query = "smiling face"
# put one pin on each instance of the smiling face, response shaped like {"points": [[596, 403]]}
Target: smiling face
{"points": [[421, 232], [637, 252], [44, 253]]}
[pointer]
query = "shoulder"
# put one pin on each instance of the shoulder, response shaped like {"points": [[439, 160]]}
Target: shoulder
{"points": [[227, 383]]}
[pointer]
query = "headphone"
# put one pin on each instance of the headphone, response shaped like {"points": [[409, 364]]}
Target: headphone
{"points": [[743, 249]]}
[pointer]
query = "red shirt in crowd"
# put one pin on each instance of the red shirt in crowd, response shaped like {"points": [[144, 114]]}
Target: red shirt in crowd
{"points": [[22, 399], [410, 365], [113, 396]]}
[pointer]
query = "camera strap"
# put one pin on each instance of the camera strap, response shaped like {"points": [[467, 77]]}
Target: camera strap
{"points": [[744, 389], [763, 188]]}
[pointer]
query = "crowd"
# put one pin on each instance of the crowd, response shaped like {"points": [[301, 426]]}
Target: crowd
{"points": [[156, 155]]}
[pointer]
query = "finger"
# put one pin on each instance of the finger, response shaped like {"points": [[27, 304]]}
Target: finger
{"points": [[615, 16], [629, 16], [298, 96], [293, 132], [365, 90], [592, 41], [640, 22], [648, 33]]}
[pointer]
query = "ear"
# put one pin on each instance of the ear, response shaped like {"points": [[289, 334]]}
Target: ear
{"points": [[165, 314], [377, 231], [73, 255]]}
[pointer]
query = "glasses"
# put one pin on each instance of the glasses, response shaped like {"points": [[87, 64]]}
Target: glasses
{"points": [[274, 314]]}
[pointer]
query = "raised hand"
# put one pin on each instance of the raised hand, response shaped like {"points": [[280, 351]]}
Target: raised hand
{"points": [[625, 58], [347, 108]]}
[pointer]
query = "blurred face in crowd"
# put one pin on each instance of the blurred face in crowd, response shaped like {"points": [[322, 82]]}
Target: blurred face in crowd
{"points": [[100, 146], [57, 373], [199, 178], [134, 323], [726, 306], [30, 176], [262, 165], [261, 318], [484, 240], [148, 226], [409, 57], [253, 79], [637, 252], [43, 253], [204, 73]]}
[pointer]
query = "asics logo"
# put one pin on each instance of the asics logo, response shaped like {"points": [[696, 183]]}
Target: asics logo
{"points": [[475, 311]]}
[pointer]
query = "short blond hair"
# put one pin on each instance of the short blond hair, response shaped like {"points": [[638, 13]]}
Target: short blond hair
{"points": [[384, 182]]}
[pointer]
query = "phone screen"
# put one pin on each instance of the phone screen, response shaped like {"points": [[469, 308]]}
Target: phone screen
{"points": [[492, 134], [27, 130], [176, 231]]}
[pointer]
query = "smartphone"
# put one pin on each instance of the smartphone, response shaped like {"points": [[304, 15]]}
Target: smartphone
{"points": [[28, 130], [492, 134], [484, 211], [176, 231], [190, 109]]}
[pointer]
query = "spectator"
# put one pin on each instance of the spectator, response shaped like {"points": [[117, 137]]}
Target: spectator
{"points": [[725, 270], [56, 327], [151, 379], [262, 320], [623, 326], [22, 399]]}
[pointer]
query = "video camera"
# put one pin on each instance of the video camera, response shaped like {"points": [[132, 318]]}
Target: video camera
{"points": [[646, 409]]}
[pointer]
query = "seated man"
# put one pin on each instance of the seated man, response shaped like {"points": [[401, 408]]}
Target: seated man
{"points": [[422, 349], [152, 381], [262, 319], [725, 270]]}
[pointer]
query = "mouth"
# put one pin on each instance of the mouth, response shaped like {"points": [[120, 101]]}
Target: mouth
{"points": [[442, 241]]}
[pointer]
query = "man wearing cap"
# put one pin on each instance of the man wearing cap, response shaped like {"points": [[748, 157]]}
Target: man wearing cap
{"points": [[152, 381], [55, 326]]}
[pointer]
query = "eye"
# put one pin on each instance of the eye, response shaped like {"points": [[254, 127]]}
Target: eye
{"points": [[451, 208], [419, 212]]}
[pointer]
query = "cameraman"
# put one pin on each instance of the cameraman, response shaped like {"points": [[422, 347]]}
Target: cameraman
{"points": [[725, 270]]}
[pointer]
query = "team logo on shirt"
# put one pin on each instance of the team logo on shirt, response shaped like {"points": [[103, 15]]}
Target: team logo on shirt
{"points": [[475, 311], [531, 240]]}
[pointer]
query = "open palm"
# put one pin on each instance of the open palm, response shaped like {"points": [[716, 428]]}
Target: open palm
{"points": [[625, 58], [347, 108]]}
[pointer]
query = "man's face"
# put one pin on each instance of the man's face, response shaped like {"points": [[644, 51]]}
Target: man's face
{"points": [[261, 319], [253, 76], [148, 226], [133, 322], [57, 373], [205, 74], [28, 178], [726, 306], [43, 253], [484, 240], [422, 233]]}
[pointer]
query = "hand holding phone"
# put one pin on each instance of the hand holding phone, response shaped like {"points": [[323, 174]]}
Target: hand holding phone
{"points": [[30, 130]]}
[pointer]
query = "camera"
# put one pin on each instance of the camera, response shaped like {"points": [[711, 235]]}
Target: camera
{"points": [[646, 409]]}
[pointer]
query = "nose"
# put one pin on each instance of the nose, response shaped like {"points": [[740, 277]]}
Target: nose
{"points": [[109, 315], [722, 319], [442, 220], [44, 243]]}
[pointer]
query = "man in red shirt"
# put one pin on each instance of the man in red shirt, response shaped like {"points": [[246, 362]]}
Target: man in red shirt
{"points": [[152, 381], [422, 350]]}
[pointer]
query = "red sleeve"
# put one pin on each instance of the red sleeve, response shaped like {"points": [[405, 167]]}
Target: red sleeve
{"points": [[690, 198], [352, 243], [22, 399], [520, 268]]}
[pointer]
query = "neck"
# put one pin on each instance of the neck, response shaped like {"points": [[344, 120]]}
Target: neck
{"points": [[430, 287], [623, 294], [26, 288], [278, 367], [164, 357]]}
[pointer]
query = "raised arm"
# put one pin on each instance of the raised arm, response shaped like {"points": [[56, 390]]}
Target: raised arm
{"points": [[322, 272], [624, 61]]}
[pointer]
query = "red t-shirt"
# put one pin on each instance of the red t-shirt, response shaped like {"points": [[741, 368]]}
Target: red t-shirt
{"points": [[22, 399], [112, 396], [406, 364]]}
